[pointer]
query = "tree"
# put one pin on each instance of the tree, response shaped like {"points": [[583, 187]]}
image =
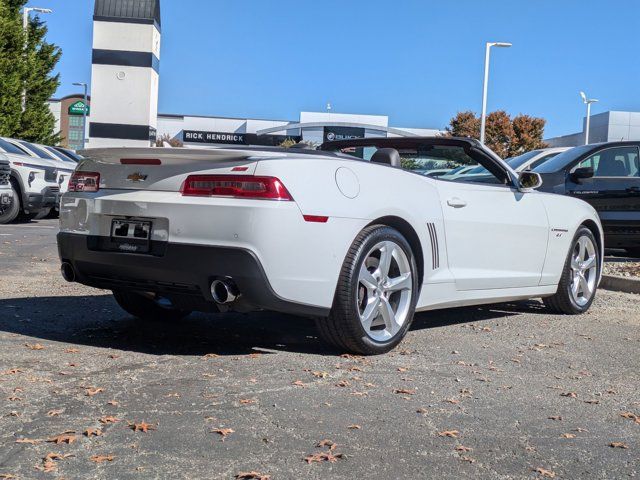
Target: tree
{"points": [[11, 67], [30, 68], [169, 140], [505, 136], [529, 132]]}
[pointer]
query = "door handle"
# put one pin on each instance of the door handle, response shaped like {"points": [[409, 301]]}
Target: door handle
{"points": [[456, 202]]}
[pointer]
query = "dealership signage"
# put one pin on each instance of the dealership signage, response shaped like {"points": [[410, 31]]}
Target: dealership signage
{"points": [[232, 138], [213, 137], [77, 108], [342, 133]]}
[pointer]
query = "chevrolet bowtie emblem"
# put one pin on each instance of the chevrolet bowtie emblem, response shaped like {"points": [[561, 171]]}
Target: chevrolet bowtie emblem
{"points": [[137, 177]]}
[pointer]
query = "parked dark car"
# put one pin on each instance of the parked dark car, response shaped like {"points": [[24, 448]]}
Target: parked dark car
{"points": [[607, 175]]}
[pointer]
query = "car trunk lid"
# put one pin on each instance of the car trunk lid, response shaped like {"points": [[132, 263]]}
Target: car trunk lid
{"points": [[165, 169]]}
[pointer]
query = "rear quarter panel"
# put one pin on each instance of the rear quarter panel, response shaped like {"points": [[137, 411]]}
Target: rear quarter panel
{"points": [[565, 215]]}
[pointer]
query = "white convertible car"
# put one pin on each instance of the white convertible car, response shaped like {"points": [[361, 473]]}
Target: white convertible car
{"points": [[352, 239]]}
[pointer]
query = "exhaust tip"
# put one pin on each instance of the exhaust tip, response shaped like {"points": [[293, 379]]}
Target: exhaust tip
{"points": [[68, 273], [223, 291]]}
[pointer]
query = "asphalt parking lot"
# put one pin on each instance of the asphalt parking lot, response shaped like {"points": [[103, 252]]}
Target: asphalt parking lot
{"points": [[503, 391]]}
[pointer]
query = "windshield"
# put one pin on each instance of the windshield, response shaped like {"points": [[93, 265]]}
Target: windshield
{"points": [[11, 148], [516, 162], [563, 159], [38, 151], [58, 155]]}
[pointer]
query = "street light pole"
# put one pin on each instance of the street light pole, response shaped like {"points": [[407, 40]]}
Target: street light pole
{"points": [[25, 27], [485, 84], [588, 102], [84, 113]]}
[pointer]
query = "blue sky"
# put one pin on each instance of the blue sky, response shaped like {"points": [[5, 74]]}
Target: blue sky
{"points": [[418, 61]]}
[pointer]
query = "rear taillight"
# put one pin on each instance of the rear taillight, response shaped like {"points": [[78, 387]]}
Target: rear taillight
{"points": [[243, 186], [84, 182]]}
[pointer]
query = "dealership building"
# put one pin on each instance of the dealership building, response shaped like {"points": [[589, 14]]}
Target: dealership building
{"points": [[604, 127]]}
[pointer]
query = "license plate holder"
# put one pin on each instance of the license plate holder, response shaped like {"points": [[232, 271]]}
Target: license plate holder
{"points": [[131, 236]]}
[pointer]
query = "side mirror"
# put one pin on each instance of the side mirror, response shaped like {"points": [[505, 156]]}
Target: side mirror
{"points": [[529, 180], [583, 172]]}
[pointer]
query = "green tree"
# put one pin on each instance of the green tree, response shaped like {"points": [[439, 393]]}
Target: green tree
{"points": [[12, 67], [27, 67]]}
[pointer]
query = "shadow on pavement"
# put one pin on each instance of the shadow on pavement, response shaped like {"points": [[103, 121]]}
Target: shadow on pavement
{"points": [[97, 321]]}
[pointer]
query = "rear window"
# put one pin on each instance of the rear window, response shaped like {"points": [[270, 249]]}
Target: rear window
{"points": [[11, 148]]}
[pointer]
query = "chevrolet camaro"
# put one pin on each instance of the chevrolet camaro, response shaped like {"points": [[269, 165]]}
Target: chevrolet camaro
{"points": [[350, 234]]}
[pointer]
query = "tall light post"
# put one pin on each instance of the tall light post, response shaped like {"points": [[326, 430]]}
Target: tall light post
{"points": [[84, 112], [487, 55], [588, 102], [25, 27]]}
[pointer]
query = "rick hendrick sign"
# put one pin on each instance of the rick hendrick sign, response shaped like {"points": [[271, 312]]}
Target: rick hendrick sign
{"points": [[213, 137]]}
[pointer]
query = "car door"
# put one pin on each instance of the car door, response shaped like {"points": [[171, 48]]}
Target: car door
{"points": [[496, 236], [614, 190]]}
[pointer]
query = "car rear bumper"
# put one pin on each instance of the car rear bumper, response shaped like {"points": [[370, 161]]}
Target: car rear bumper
{"points": [[180, 272]]}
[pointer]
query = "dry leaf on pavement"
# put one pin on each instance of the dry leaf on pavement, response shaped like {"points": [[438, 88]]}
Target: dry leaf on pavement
{"points": [[544, 472], [66, 437], [252, 476], [223, 432], [90, 392], [92, 432], [323, 457], [30, 441], [34, 346], [404, 391], [618, 445], [449, 433], [141, 427], [102, 458], [108, 419]]}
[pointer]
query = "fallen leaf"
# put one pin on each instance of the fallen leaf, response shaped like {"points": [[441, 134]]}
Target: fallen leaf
{"points": [[404, 391], [462, 448], [592, 402], [90, 392], [631, 416], [323, 457], [354, 427], [113, 403], [34, 346], [92, 432], [569, 394], [618, 445], [71, 350], [298, 383], [327, 443], [545, 473], [468, 459], [102, 458], [556, 417], [223, 432], [49, 464], [30, 441], [54, 413], [247, 401], [342, 383], [211, 355], [449, 433], [403, 369], [252, 476], [568, 435], [452, 400], [108, 419], [141, 427], [320, 374], [11, 371], [66, 437], [7, 476]]}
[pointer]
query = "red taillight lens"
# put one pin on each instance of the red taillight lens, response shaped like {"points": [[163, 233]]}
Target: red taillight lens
{"points": [[84, 182], [243, 186]]}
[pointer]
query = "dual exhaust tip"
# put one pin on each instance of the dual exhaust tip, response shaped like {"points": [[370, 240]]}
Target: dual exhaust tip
{"points": [[68, 273], [222, 291]]}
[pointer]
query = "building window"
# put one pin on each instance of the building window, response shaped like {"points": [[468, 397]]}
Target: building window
{"points": [[75, 121]]}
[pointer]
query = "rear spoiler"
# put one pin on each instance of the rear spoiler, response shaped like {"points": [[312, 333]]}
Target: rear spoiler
{"points": [[164, 156]]}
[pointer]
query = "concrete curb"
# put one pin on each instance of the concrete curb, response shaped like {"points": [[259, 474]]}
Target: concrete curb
{"points": [[620, 284]]}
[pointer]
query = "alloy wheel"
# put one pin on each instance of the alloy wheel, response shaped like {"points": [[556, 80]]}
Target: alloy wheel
{"points": [[385, 289], [584, 270]]}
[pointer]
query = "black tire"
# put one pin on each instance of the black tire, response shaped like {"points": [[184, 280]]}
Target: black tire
{"points": [[343, 328], [9, 214], [633, 252], [563, 301], [145, 308]]}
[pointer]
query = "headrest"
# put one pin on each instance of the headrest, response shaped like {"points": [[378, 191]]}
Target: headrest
{"points": [[390, 156]]}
